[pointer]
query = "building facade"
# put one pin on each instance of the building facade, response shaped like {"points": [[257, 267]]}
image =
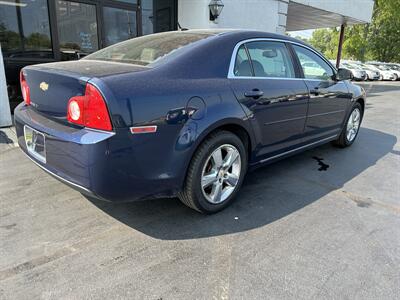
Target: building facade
{"points": [[37, 31]]}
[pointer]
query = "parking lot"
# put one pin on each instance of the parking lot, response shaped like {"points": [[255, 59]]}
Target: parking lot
{"points": [[322, 224]]}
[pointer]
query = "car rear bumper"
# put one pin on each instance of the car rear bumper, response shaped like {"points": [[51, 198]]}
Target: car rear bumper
{"points": [[99, 164]]}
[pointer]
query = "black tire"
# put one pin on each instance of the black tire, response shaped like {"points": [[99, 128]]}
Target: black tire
{"points": [[342, 140], [192, 194], [395, 77]]}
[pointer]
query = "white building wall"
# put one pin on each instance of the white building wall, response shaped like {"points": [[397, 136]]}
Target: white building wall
{"points": [[265, 15]]}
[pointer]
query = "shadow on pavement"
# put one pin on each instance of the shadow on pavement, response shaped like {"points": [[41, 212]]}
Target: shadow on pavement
{"points": [[4, 139], [268, 194], [373, 89]]}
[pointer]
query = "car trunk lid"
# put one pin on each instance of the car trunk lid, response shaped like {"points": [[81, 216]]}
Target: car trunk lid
{"points": [[52, 85]]}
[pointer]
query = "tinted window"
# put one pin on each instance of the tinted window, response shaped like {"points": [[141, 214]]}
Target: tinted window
{"points": [[119, 25], [242, 63], [77, 27], [24, 29], [149, 49], [314, 67], [270, 59]]}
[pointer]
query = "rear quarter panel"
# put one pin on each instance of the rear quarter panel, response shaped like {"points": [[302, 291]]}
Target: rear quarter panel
{"points": [[185, 111]]}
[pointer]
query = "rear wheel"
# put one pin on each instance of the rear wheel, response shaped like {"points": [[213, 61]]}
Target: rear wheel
{"points": [[395, 77], [215, 173], [350, 131]]}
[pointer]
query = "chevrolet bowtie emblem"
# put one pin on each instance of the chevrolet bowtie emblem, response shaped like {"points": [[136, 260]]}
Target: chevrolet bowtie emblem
{"points": [[44, 86]]}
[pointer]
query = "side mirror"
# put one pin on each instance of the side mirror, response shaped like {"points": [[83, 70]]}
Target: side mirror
{"points": [[344, 74]]}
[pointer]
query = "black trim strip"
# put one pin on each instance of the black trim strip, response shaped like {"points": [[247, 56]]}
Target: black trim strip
{"points": [[286, 120], [327, 113]]}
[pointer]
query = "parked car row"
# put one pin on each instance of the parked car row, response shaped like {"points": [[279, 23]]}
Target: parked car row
{"points": [[371, 70]]}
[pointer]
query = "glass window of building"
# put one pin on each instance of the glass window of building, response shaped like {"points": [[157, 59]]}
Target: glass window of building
{"points": [[147, 17], [119, 25], [25, 29], [77, 29], [158, 16]]}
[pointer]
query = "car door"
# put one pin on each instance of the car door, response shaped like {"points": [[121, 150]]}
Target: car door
{"points": [[328, 97], [263, 78]]}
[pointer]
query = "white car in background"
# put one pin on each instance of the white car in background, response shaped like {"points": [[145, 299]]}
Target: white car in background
{"points": [[371, 74], [357, 72], [394, 68], [386, 73]]}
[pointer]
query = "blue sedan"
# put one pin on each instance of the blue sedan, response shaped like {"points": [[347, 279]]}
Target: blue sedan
{"points": [[183, 114]]}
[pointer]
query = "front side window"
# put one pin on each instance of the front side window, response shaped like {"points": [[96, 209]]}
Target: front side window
{"points": [[270, 59], [25, 29], [314, 67], [242, 63]]}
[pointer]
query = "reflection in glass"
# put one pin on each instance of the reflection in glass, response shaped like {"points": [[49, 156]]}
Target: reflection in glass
{"points": [[77, 29], [25, 29], [147, 17], [119, 25]]}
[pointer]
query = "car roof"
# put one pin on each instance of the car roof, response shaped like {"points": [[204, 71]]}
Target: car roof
{"points": [[242, 34]]}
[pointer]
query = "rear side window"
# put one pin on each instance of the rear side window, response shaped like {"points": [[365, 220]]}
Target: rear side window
{"points": [[314, 67], [270, 59], [150, 49], [242, 63]]}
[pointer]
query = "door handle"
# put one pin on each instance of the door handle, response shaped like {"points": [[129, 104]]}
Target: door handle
{"points": [[254, 93], [314, 91]]}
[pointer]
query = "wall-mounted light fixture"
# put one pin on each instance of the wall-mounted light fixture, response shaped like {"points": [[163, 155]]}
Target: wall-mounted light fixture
{"points": [[215, 7]]}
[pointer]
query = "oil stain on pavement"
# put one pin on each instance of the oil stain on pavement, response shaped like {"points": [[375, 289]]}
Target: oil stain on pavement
{"points": [[322, 166]]}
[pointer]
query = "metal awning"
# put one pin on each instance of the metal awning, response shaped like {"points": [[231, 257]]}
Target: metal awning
{"points": [[309, 14]]}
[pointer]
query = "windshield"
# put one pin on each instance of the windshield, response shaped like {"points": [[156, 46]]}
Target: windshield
{"points": [[149, 49], [383, 68], [357, 67], [367, 68]]}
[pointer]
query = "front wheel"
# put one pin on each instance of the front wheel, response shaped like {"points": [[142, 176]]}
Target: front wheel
{"points": [[350, 131], [215, 173]]}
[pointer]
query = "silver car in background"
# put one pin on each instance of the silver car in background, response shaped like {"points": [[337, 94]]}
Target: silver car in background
{"points": [[371, 74], [357, 72], [386, 73], [395, 68]]}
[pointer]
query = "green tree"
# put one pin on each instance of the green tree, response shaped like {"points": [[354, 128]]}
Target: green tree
{"points": [[379, 40], [326, 41], [384, 31], [355, 45]]}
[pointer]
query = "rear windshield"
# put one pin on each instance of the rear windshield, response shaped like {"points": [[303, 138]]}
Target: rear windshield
{"points": [[148, 50]]}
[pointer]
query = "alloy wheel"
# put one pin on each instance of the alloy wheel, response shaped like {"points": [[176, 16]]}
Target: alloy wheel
{"points": [[221, 173], [353, 124]]}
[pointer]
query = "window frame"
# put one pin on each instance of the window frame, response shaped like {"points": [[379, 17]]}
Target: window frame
{"points": [[299, 75]]}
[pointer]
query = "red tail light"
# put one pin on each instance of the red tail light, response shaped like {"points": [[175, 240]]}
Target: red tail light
{"points": [[26, 94], [89, 110]]}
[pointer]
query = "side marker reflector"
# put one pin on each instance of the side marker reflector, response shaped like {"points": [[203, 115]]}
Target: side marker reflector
{"points": [[143, 129]]}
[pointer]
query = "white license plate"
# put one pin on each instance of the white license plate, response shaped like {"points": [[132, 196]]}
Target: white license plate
{"points": [[35, 143]]}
